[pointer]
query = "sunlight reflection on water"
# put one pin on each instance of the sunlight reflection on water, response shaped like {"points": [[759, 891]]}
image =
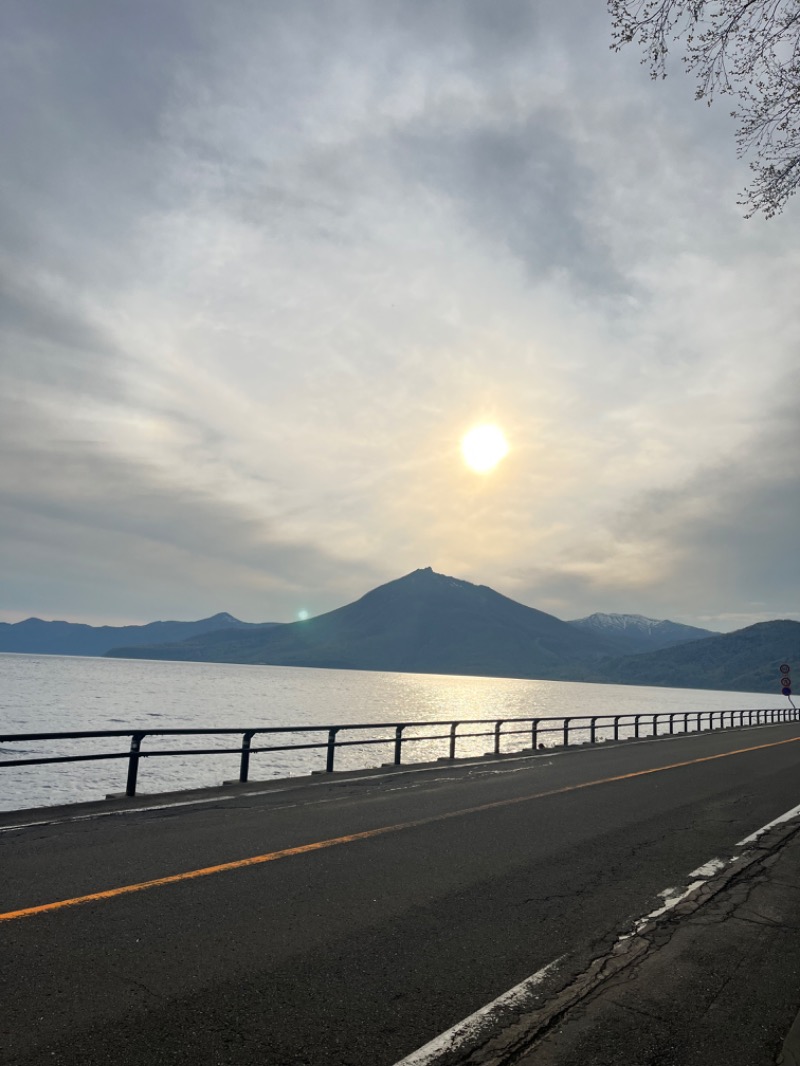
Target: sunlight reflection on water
{"points": [[48, 693]]}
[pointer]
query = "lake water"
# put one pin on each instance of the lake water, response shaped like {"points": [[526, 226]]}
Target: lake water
{"points": [[49, 693]]}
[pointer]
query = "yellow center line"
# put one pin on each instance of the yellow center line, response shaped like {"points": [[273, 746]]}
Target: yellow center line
{"points": [[367, 834]]}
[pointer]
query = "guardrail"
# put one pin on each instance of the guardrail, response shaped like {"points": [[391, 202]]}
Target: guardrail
{"points": [[566, 729]]}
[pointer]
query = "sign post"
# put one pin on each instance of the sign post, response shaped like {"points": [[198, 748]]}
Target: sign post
{"points": [[786, 682]]}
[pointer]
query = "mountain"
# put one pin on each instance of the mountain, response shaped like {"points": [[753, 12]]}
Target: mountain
{"points": [[35, 636], [635, 633], [423, 623], [744, 661]]}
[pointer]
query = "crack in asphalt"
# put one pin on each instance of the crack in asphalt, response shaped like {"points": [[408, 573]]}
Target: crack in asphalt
{"points": [[624, 959], [642, 1013], [767, 923], [726, 982]]}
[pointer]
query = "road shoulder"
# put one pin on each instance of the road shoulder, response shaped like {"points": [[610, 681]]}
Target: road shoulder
{"points": [[715, 981]]}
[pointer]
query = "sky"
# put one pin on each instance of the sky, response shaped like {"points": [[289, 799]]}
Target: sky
{"points": [[262, 266]]}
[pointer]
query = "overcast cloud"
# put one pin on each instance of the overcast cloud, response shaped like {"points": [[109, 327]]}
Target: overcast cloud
{"points": [[263, 264]]}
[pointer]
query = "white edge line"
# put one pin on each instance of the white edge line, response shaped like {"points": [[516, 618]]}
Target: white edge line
{"points": [[793, 813], [708, 869], [469, 1028], [465, 1030], [671, 901]]}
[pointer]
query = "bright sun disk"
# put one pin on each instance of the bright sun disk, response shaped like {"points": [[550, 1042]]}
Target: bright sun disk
{"points": [[483, 448]]}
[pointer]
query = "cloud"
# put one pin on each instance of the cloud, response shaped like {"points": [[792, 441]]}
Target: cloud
{"points": [[266, 265], [718, 549]]}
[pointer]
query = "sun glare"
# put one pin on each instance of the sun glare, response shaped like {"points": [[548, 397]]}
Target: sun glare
{"points": [[483, 448]]}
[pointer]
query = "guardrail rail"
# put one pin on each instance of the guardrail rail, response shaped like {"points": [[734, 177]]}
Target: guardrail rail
{"points": [[575, 728]]}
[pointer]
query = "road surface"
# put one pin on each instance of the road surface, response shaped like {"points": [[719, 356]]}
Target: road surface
{"points": [[348, 921]]}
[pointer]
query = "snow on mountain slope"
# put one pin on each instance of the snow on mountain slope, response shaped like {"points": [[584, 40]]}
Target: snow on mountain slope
{"points": [[636, 632]]}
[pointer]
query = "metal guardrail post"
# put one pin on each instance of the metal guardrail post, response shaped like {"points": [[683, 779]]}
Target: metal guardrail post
{"points": [[331, 749], [133, 763], [616, 724], [453, 729], [244, 765], [398, 744]]}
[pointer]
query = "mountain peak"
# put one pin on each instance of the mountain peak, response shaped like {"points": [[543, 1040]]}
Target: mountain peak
{"points": [[637, 633], [428, 578]]}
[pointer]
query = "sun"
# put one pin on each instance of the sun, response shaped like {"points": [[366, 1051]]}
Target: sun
{"points": [[483, 448]]}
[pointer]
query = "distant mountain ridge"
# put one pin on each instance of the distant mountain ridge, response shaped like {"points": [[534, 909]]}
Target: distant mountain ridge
{"points": [[422, 623], [637, 633], [431, 623], [37, 637], [746, 660]]}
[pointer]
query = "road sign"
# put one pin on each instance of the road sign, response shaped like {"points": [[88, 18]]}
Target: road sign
{"points": [[784, 680]]}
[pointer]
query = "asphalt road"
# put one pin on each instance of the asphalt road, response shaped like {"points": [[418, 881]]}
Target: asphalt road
{"points": [[404, 903], [718, 983]]}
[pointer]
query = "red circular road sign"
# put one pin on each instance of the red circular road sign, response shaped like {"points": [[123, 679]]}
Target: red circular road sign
{"points": [[785, 668]]}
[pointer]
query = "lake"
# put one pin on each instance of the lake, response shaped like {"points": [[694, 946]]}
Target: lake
{"points": [[48, 693]]}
